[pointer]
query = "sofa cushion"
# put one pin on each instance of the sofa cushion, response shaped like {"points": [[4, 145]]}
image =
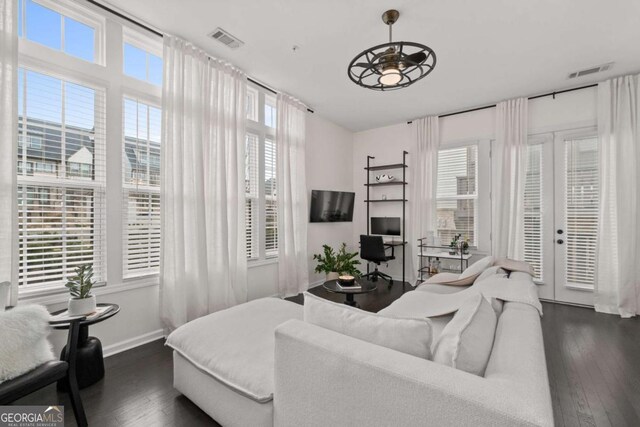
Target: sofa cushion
{"points": [[411, 336], [466, 342], [512, 265], [475, 269], [236, 346], [492, 272], [23, 340], [451, 279]]}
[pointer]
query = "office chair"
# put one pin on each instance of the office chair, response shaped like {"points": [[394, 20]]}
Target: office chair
{"points": [[372, 250]]}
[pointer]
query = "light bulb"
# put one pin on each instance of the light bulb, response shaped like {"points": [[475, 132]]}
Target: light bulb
{"points": [[390, 76]]}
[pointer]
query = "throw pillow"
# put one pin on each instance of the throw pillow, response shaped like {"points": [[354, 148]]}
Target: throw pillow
{"points": [[475, 269], [450, 279], [23, 334], [513, 265], [467, 340], [495, 272], [411, 336]]}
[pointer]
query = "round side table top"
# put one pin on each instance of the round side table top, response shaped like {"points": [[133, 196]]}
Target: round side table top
{"points": [[365, 287], [112, 311]]}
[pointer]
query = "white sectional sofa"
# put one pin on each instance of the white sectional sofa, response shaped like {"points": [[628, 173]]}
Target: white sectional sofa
{"points": [[319, 377]]}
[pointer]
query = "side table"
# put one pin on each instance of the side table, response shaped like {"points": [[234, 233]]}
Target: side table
{"points": [[365, 287], [89, 358]]}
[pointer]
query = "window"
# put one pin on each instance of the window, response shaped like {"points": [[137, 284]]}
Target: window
{"points": [[533, 210], [63, 163], [260, 176], [581, 182], [142, 58], [75, 35], [141, 185], [457, 194], [270, 199], [61, 191]]}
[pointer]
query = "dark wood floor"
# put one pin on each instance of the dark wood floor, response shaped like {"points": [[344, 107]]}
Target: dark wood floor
{"points": [[593, 362]]}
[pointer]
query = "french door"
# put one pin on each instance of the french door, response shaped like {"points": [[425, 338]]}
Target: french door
{"points": [[561, 214]]}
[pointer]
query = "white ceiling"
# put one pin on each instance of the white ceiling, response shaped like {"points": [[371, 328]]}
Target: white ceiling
{"points": [[487, 50]]}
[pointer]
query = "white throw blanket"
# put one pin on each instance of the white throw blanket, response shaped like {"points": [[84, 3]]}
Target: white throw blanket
{"points": [[431, 304], [23, 340]]}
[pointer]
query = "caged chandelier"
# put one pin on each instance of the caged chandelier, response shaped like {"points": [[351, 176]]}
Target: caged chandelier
{"points": [[392, 65]]}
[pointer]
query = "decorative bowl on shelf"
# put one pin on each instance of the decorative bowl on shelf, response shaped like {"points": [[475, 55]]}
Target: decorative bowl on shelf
{"points": [[346, 280], [384, 178]]}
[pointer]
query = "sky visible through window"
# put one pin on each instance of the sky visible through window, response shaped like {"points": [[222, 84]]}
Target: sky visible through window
{"points": [[44, 93]]}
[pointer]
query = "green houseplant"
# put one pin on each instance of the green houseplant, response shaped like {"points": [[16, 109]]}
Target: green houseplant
{"points": [[82, 301], [333, 263]]}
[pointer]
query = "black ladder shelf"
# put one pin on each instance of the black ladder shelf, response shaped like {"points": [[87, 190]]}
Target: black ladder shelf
{"points": [[403, 200]]}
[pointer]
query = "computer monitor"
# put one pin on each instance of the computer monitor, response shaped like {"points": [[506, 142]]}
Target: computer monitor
{"points": [[386, 226]]}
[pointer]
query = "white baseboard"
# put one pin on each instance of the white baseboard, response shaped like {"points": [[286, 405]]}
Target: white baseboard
{"points": [[130, 343]]}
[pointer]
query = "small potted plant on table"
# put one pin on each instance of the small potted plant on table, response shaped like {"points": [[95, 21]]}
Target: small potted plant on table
{"points": [[334, 264], [82, 301]]}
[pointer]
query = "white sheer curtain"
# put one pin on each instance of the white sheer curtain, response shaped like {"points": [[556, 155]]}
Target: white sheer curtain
{"points": [[618, 251], [203, 255], [291, 187], [424, 174], [9, 145], [508, 174]]}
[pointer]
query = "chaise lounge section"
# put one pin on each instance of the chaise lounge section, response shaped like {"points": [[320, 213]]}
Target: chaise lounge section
{"points": [[235, 368]]}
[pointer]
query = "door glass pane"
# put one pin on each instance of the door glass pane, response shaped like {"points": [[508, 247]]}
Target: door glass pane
{"points": [[533, 225], [582, 193]]}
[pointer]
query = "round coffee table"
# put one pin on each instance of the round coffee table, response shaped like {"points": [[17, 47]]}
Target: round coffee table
{"points": [[365, 287], [89, 359]]}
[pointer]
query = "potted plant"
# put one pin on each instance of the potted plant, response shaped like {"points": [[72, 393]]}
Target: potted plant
{"points": [[454, 245], [465, 246], [346, 262], [82, 301], [334, 263]]}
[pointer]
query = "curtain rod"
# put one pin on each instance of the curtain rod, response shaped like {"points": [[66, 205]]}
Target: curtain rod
{"points": [[159, 34], [557, 92]]}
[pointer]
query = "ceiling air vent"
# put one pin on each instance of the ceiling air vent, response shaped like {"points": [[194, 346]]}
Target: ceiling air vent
{"points": [[591, 70], [226, 38]]}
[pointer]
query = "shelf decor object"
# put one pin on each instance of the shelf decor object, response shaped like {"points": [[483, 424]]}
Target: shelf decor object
{"points": [[392, 65]]}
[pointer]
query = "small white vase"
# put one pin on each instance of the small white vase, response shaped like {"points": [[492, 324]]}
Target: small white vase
{"points": [[82, 306], [332, 276]]}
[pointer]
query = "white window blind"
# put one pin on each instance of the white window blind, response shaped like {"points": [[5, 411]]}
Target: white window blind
{"points": [[61, 180], [141, 188], [582, 191], [251, 195], [271, 202], [533, 210], [457, 193]]}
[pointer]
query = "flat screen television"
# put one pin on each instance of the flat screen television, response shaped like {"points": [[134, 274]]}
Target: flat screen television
{"points": [[331, 206], [386, 226]]}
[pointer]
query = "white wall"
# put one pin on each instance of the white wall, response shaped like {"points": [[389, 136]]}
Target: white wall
{"points": [[567, 111]]}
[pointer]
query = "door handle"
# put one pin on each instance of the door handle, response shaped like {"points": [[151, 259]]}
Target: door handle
{"points": [[560, 231], [560, 241]]}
